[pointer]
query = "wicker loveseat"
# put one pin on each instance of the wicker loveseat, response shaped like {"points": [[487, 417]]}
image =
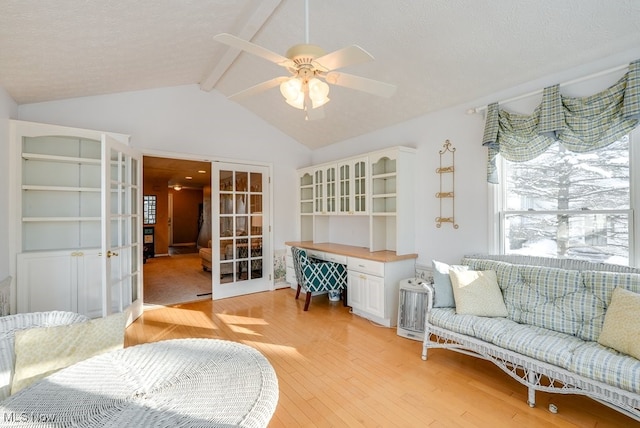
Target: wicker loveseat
{"points": [[549, 338]]}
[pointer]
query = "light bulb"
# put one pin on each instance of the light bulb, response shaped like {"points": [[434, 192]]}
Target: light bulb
{"points": [[297, 102], [318, 91], [291, 89]]}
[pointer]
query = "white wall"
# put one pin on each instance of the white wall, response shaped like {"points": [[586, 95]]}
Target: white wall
{"points": [[465, 131], [185, 120], [8, 110]]}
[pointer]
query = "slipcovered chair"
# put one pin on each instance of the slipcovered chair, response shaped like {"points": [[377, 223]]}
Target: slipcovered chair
{"points": [[317, 275]]}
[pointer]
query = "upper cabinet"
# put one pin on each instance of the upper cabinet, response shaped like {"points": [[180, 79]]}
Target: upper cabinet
{"points": [[352, 186], [306, 203], [59, 187], [325, 189], [376, 189], [392, 224]]}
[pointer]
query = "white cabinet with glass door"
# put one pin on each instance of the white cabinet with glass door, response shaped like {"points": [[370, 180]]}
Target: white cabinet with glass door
{"points": [[62, 179], [325, 189], [352, 186]]}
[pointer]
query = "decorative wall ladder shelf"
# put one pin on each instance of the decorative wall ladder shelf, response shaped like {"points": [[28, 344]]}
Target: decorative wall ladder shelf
{"points": [[447, 181]]}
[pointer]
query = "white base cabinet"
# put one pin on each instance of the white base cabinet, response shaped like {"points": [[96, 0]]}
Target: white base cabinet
{"points": [[373, 287], [60, 280]]}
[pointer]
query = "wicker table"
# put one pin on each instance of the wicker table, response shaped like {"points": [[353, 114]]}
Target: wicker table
{"points": [[176, 383]]}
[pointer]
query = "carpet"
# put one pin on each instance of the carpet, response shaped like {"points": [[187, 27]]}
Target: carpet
{"points": [[175, 279]]}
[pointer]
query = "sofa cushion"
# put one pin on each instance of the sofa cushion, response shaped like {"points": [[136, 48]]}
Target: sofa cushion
{"points": [[556, 299], [45, 350], [448, 319], [507, 274], [597, 362], [535, 342], [477, 293], [443, 292], [621, 330], [539, 343]]}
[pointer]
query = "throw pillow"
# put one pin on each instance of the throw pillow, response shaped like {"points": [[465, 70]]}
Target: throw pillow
{"points": [[443, 296], [621, 328], [477, 293], [42, 351]]}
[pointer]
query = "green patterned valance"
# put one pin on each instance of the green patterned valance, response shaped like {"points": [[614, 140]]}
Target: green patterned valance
{"points": [[580, 124]]}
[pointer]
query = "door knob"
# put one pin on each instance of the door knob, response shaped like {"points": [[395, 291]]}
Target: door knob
{"points": [[111, 253]]}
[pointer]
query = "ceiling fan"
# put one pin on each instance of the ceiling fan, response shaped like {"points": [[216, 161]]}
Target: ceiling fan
{"points": [[311, 70]]}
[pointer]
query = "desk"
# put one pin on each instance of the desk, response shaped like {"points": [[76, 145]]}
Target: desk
{"points": [[176, 383], [373, 278]]}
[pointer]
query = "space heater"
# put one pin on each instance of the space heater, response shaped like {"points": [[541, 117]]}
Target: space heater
{"points": [[412, 309]]}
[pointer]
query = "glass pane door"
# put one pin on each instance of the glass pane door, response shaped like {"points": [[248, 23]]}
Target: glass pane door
{"points": [[243, 260], [122, 224]]}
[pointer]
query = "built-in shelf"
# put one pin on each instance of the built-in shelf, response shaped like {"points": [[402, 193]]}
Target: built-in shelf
{"points": [[375, 189]]}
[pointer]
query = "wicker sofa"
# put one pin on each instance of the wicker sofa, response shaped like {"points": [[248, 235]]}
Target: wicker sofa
{"points": [[549, 338]]}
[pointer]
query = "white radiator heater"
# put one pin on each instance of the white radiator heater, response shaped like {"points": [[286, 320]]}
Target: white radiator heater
{"points": [[412, 309]]}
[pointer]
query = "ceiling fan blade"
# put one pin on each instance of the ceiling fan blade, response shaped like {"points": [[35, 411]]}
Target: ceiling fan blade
{"points": [[260, 87], [252, 48], [350, 55], [371, 86]]}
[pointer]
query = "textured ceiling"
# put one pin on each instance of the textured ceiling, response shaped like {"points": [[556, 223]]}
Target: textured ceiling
{"points": [[439, 53]]}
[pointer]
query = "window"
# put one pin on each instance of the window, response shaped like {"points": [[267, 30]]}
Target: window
{"points": [[569, 205], [149, 209]]}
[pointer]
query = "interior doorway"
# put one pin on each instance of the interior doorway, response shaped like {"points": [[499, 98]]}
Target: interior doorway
{"points": [[177, 225]]}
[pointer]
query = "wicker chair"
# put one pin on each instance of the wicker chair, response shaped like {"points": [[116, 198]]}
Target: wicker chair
{"points": [[317, 275]]}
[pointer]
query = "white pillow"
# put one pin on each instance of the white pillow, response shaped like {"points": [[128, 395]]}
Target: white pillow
{"points": [[42, 351], [621, 329], [477, 293]]}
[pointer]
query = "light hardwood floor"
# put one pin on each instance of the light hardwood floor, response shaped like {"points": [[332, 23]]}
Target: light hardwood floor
{"points": [[336, 369]]}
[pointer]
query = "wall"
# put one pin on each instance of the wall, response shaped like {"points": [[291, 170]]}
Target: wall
{"points": [[187, 121], [428, 134], [186, 205], [161, 228]]}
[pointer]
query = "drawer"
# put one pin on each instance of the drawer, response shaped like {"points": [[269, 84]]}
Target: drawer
{"points": [[316, 254], [365, 266], [336, 258]]}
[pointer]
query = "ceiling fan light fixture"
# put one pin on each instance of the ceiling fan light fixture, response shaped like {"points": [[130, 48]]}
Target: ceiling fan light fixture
{"points": [[297, 102], [291, 88], [318, 92]]}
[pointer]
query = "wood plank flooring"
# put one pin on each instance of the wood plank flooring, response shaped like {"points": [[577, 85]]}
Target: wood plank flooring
{"points": [[336, 369]]}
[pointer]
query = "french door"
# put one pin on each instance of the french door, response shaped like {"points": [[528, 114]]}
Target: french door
{"points": [[241, 257], [121, 227]]}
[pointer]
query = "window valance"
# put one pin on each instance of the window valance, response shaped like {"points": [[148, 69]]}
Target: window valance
{"points": [[581, 124]]}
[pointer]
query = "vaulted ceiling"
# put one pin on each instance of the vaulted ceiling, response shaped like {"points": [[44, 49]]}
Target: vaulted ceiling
{"points": [[439, 53]]}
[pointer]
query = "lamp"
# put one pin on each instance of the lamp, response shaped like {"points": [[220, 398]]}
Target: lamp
{"points": [[177, 187], [296, 88]]}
